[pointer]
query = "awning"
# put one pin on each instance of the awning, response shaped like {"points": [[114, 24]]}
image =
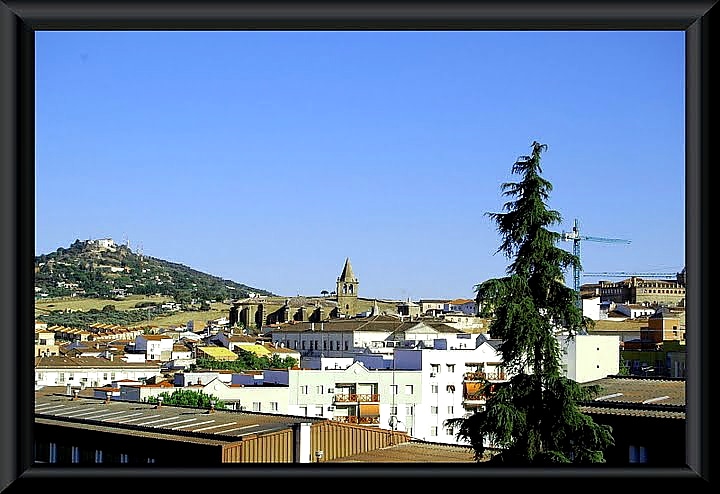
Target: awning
{"points": [[369, 410]]}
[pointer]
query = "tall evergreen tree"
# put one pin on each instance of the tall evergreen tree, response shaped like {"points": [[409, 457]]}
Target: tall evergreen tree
{"points": [[533, 418]]}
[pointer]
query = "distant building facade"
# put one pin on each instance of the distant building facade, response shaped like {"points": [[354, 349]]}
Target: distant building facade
{"points": [[636, 290]]}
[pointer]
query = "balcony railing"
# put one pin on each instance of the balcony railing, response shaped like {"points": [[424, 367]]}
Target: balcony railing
{"points": [[356, 398], [485, 376], [352, 419]]}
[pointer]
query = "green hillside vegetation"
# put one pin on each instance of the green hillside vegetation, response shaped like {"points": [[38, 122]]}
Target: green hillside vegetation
{"points": [[89, 271]]}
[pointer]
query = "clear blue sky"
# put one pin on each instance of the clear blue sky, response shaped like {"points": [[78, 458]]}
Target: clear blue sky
{"points": [[269, 157]]}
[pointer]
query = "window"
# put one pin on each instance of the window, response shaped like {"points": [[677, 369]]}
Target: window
{"points": [[449, 431], [433, 430], [61, 377], [346, 345], [256, 406], [638, 454], [393, 410], [112, 376], [303, 344], [274, 406], [433, 410], [435, 368], [98, 456], [394, 389], [408, 389], [304, 390], [451, 367], [319, 389], [75, 454], [450, 410], [124, 458], [434, 388], [409, 409]]}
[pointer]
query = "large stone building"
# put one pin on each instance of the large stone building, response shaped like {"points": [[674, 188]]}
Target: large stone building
{"points": [[256, 312], [637, 290]]}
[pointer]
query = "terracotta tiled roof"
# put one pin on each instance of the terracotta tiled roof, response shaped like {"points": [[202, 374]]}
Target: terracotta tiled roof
{"points": [[87, 362]]}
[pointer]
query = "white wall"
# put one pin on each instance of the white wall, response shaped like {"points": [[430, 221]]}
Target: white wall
{"points": [[591, 357], [591, 308], [93, 377]]}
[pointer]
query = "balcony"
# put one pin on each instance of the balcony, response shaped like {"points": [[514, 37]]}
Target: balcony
{"points": [[485, 376], [356, 398], [352, 419], [476, 392]]}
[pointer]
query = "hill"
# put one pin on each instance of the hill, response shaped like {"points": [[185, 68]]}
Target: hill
{"points": [[103, 269]]}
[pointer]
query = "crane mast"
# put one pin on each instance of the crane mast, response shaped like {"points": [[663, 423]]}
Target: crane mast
{"points": [[575, 237]]}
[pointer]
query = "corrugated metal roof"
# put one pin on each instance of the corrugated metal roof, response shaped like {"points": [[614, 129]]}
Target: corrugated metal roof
{"points": [[414, 452], [639, 397], [168, 421]]}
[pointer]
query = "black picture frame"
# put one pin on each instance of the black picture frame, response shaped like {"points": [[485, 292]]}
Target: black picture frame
{"points": [[19, 19]]}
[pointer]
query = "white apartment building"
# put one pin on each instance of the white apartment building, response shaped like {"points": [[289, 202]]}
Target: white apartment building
{"points": [[155, 346], [634, 311], [463, 305], [89, 371], [432, 306], [346, 338], [415, 391]]}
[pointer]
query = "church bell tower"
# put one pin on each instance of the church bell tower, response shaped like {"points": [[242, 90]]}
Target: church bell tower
{"points": [[347, 290]]}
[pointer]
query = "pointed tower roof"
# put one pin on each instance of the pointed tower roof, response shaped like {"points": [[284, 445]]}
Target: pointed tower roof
{"points": [[347, 272]]}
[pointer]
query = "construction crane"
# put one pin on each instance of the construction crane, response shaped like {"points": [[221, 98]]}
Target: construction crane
{"points": [[575, 237]]}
